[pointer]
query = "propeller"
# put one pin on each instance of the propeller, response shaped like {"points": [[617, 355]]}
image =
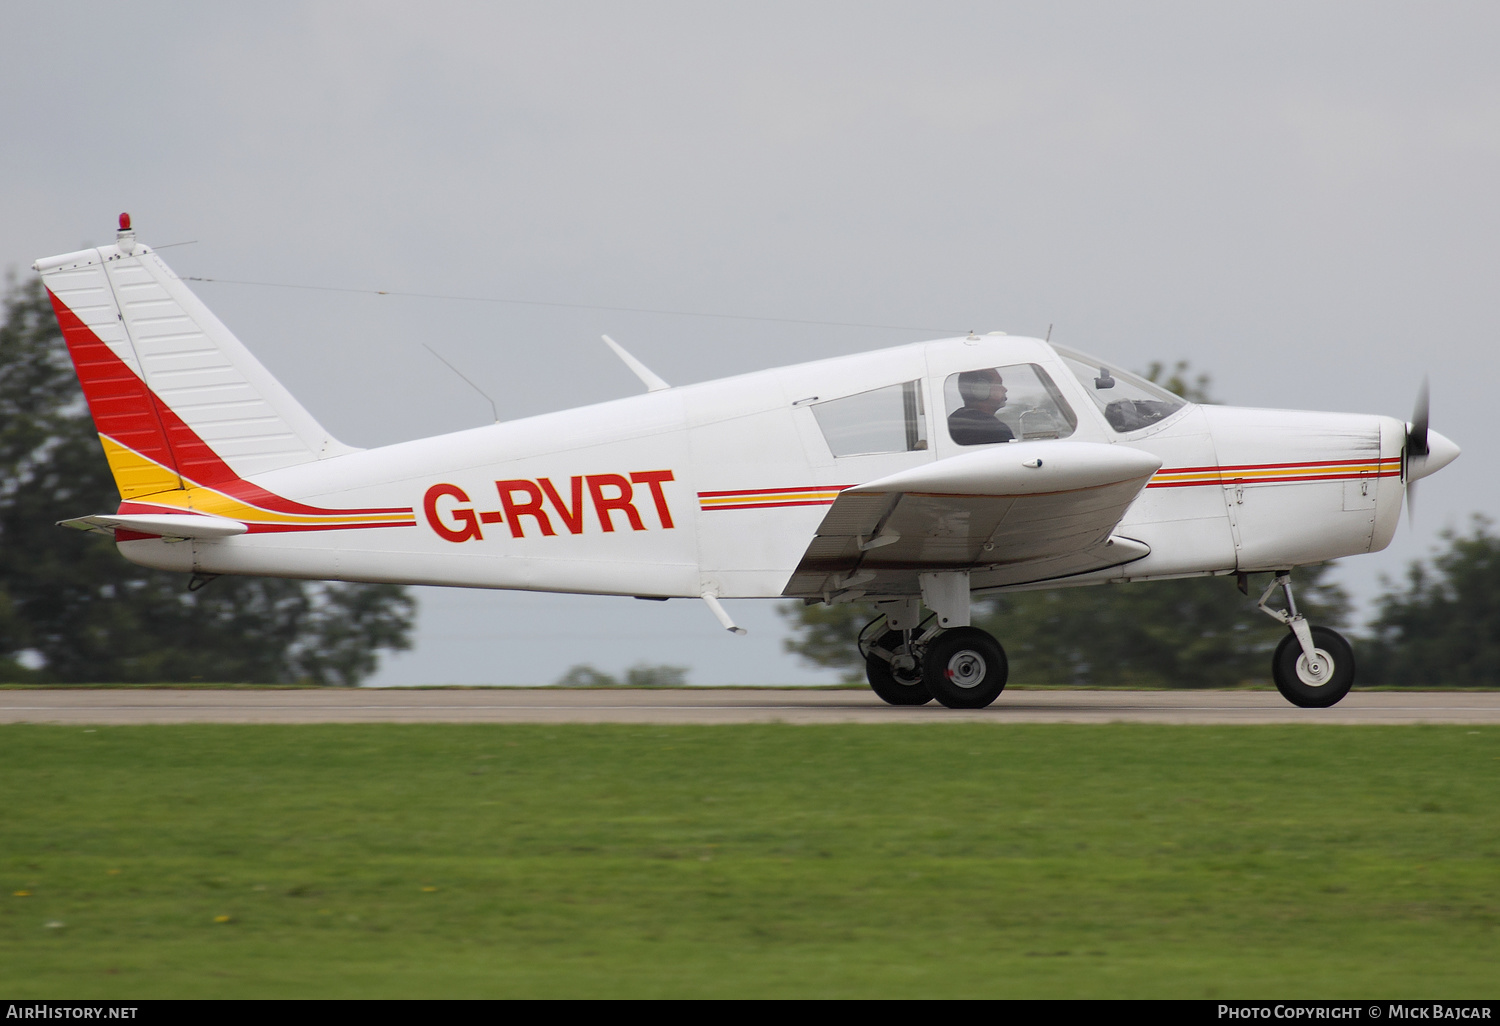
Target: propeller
{"points": [[1427, 451], [1416, 447], [1416, 435]]}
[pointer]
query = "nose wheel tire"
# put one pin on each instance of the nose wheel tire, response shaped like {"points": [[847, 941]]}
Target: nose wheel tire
{"points": [[965, 668], [1314, 683], [898, 682]]}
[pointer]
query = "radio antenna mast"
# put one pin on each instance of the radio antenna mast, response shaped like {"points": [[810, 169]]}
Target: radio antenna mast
{"points": [[466, 381]]}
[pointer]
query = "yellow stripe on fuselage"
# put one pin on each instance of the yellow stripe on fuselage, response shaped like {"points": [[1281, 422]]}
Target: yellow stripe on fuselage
{"points": [[823, 495], [150, 482], [1340, 470], [199, 499], [1229, 475]]}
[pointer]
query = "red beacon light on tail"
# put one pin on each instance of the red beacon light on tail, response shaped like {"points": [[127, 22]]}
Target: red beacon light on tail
{"points": [[125, 237]]}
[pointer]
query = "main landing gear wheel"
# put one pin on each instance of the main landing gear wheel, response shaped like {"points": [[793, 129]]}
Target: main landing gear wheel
{"points": [[965, 668], [1314, 683], [899, 681]]}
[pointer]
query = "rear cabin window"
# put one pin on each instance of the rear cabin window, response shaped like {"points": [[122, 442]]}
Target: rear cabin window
{"points": [[1006, 404], [887, 419]]}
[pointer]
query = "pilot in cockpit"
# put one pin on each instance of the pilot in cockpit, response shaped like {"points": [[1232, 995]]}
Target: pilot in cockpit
{"points": [[975, 423]]}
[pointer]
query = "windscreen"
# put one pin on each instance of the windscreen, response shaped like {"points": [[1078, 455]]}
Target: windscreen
{"points": [[1129, 401]]}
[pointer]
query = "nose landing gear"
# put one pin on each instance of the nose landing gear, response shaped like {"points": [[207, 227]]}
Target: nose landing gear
{"points": [[1313, 666]]}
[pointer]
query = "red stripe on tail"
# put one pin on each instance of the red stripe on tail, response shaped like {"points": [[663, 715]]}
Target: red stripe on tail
{"points": [[122, 406], [126, 410]]}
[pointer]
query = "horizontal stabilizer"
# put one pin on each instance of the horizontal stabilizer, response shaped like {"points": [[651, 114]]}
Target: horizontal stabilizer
{"points": [[159, 525]]}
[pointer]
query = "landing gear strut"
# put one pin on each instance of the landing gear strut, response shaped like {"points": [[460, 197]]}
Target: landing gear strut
{"points": [[893, 666], [1313, 666]]}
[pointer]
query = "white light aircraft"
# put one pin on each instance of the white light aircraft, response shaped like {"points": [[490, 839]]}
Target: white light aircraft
{"points": [[910, 477]]}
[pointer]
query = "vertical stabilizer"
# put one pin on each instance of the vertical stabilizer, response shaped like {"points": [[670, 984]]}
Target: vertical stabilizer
{"points": [[173, 393]]}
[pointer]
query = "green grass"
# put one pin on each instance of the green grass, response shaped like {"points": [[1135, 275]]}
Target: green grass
{"points": [[752, 861]]}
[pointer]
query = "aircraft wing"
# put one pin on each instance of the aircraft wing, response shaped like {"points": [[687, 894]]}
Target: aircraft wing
{"points": [[1009, 514]]}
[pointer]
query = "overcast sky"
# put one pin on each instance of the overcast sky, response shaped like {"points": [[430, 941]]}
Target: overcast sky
{"points": [[1301, 199]]}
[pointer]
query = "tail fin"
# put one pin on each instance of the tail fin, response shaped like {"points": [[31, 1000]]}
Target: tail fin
{"points": [[176, 398]]}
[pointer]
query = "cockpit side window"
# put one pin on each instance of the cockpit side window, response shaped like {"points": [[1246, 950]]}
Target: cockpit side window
{"points": [[1129, 402], [889, 419], [1006, 404]]}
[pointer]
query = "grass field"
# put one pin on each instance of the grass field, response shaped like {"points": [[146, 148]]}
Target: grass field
{"points": [[752, 861]]}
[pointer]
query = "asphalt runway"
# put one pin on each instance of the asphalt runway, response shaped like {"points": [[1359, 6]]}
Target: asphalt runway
{"points": [[105, 707]]}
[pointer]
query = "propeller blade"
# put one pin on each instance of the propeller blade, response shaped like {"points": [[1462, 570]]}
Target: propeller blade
{"points": [[1416, 447], [1416, 436]]}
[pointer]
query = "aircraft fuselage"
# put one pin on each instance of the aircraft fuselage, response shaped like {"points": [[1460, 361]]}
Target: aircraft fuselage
{"points": [[717, 487]]}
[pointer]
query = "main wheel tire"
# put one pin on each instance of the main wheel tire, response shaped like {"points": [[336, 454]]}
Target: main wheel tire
{"points": [[896, 687], [965, 668], [1314, 686]]}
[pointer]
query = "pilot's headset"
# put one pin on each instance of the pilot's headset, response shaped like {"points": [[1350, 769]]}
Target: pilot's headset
{"points": [[973, 388]]}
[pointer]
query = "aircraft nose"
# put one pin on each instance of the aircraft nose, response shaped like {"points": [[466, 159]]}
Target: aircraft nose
{"points": [[1441, 451]]}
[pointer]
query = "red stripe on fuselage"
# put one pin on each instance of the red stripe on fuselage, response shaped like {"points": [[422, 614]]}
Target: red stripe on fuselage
{"points": [[1228, 479], [1381, 460], [284, 528], [773, 491], [769, 505]]}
